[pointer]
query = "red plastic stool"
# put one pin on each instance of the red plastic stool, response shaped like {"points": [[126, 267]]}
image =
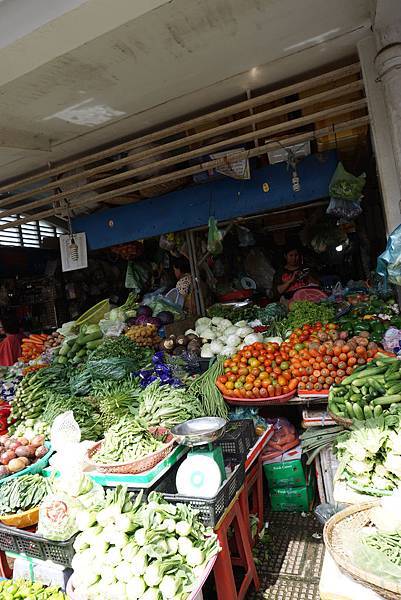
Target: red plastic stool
{"points": [[5, 570], [223, 568], [251, 498]]}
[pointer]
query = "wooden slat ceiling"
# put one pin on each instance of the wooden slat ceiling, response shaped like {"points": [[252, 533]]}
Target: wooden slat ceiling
{"points": [[326, 107]]}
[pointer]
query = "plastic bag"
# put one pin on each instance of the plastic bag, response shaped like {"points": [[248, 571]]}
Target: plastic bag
{"points": [[392, 340], [214, 238], [245, 237], [371, 559], [324, 511], [345, 185], [111, 368], [344, 209], [389, 262], [160, 303], [111, 328], [136, 277]]}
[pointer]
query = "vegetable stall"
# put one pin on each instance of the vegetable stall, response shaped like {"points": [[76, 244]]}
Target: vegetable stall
{"points": [[126, 460]]}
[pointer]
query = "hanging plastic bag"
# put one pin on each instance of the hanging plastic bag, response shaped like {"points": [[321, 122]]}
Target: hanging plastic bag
{"points": [[345, 185], [344, 209], [136, 277], [389, 262], [214, 238]]}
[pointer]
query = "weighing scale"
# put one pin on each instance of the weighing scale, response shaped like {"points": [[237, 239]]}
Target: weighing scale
{"points": [[203, 471]]}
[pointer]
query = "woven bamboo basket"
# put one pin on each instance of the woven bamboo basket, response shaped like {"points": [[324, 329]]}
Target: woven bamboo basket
{"points": [[136, 466], [347, 423], [337, 534]]}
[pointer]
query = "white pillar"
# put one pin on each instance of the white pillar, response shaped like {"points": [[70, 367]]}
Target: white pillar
{"points": [[382, 134]]}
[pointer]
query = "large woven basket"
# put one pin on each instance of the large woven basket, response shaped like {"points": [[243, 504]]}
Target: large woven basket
{"points": [[136, 466], [337, 533], [347, 423]]}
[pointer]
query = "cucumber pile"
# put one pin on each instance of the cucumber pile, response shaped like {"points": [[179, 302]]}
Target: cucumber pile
{"points": [[75, 350], [372, 390]]}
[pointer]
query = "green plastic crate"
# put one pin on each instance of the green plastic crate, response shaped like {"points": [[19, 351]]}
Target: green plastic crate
{"points": [[290, 473], [293, 499]]}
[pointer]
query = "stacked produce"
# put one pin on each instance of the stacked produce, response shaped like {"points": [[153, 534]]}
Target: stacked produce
{"points": [[54, 340], [144, 335], [18, 453], [258, 371], [370, 456], [166, 406], [369, 392], [85, 410], [30, 398], [122, 347], [308, 313], [220, 336], [22, 493], [204, 388], [32, 347], [21, 589], [76, 349], [146, 550], [181, 344], [126, 441], [115, 399]]}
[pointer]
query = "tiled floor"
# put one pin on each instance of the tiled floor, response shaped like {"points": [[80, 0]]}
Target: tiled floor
{"points": [[291, 558]]}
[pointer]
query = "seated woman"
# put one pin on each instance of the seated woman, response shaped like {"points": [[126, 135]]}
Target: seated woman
{"points": [[10, 347], [293, 276]]}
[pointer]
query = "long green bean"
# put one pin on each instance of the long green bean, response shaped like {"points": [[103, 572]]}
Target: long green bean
{"points": [[204, 387]]}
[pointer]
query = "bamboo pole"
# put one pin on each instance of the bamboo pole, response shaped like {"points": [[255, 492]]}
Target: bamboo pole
{"points": [[243, 106], [206, 166], [273, 129], [185, 141]]}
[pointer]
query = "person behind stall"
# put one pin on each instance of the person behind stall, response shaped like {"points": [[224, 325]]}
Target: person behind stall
{"points": [[184, 285], [10, 347], [293, 275]]}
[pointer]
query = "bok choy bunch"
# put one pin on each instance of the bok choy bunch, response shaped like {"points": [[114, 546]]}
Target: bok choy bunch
{"points": [[133, 550]]}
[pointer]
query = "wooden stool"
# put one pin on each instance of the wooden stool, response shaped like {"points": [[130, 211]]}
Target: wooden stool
{"points": [[223, 568], [251, 498]]}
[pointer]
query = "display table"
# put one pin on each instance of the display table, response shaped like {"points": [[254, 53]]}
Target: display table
{"points": [[335, 585]]}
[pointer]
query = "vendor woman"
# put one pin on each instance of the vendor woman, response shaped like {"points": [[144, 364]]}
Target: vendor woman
{"points": [[184, 284], [293, 276]]}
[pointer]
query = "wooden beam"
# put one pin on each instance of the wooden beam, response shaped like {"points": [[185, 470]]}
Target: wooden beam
{"points": [[172, 130], [174, 160], [206, 166]]}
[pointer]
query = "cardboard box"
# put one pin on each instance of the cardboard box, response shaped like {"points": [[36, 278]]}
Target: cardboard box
{"points": [[292, 454], [294, 499], [286, 473]]}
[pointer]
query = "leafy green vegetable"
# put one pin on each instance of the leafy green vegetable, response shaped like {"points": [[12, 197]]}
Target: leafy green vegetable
{"points": [[122, 347], [85, 413], [17, 589], [116, 399], [167, 406], [308, 313]]}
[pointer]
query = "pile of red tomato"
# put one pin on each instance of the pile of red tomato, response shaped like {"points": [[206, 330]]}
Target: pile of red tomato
{"points": [[312, 359], [258, 371]]}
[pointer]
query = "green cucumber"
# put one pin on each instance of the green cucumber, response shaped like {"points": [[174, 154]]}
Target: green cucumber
{"points": [[368, 412], [384, 400], [94, 344], [371, 372], [350, 409], [358, 412], [378, 411], [91, 337]]}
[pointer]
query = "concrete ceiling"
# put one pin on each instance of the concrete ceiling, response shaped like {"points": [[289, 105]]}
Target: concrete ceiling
{"points": [[79, 74]]}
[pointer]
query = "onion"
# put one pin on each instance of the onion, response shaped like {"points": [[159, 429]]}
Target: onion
{"points": [[14, 445], [41, 451], [15, 465], [25, 459], [22, 451], [31, 449], [23, 441], [4, 471], [7, 456], [38, 440]]}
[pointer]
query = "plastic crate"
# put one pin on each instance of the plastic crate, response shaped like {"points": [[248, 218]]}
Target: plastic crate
{"points": [[35, 546], [239, 437], [210, 509]]}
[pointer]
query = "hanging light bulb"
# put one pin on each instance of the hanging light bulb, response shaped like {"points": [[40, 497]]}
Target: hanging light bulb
{"points": [[73, 249]]}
